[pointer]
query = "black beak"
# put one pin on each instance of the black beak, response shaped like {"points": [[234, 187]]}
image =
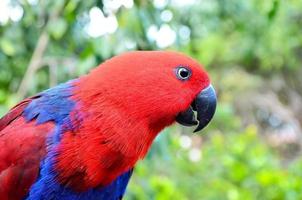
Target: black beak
{"points": [[204, 105]]}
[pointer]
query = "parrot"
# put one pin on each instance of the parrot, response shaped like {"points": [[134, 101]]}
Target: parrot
{"points": [[82, 139]]}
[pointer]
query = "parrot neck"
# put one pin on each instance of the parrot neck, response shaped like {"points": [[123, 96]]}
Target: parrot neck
{"points": [[107, 143], [69, 153]]}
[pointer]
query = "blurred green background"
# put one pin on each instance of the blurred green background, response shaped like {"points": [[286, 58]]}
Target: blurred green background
{"points": [[252, 50]]}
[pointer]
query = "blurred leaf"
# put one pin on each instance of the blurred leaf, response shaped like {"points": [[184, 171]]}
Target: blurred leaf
{"points": [[57, 28], [7, 47]]}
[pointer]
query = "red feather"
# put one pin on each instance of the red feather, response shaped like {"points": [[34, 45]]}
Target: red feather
{"points": [[22, 148], [15, 112]]}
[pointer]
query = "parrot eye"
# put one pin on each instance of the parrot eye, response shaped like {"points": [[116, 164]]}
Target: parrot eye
{"points": [[183, 73]]}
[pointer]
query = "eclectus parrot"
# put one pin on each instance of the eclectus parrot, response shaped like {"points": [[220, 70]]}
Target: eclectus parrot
{"points": [[81, 139]]}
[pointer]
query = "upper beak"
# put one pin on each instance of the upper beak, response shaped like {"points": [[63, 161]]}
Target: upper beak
{"points": [[205, 106]]}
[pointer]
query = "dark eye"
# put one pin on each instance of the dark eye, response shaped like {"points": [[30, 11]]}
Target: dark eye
{"points": [[183, 73]]}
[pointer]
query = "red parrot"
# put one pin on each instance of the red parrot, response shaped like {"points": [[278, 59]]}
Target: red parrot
{"points": [[81, 139]]}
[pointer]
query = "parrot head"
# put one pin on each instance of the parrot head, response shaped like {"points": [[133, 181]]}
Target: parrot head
{"points": [[124, 103], [155, 88]]}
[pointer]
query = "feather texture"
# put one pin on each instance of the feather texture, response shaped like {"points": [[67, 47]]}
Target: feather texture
{"points": [[81, 139]]}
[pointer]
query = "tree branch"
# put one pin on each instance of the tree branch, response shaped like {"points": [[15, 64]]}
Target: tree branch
{"points": [[37, 57], [34, 64]]}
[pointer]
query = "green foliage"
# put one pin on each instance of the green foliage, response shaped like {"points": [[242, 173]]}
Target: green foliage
{"points": [[233, 166]]}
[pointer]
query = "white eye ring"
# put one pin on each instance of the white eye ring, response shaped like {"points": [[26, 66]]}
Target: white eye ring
{"points": [[183, 73]]}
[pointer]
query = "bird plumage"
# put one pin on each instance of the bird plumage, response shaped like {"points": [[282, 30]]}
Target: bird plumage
{"points": [[81, 139]]}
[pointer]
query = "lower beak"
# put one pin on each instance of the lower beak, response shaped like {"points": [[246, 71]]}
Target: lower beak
{"points": [[205, 106]]}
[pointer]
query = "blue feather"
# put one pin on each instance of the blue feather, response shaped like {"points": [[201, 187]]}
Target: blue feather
{"points": [[55, 105]]}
